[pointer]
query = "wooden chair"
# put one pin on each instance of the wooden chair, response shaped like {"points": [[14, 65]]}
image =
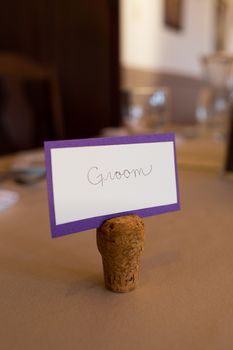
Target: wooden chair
{"points": [[30, 107]]}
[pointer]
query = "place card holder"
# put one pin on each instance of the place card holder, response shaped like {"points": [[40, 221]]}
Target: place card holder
{"points": [[120, 241], [90, 180]]}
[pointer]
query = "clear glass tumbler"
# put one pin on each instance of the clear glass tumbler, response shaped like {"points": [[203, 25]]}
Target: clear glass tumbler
{"points": [[147, 109]]}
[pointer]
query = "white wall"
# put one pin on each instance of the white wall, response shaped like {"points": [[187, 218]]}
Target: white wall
{"points": [[229, 27], [146, 43]]}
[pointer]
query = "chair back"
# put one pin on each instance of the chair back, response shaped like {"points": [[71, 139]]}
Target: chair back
{"points": [[30, 107]]}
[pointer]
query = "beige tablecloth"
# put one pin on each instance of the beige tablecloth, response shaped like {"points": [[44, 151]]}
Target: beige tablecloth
{"points": [[52, 294]]}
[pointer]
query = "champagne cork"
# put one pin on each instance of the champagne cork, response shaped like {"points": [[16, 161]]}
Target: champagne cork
{"points": [[120, 241]]}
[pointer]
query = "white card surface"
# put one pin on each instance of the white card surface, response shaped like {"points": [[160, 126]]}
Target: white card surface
{"points": [[100, 180]]}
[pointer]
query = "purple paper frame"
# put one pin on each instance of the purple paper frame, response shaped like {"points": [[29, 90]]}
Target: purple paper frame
{"points": [[90, 223]]}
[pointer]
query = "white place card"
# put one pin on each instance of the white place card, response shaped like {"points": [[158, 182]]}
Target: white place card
{"points": [[92, 180]]}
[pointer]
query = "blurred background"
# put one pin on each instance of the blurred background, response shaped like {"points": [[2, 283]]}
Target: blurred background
{"points": [[87, 68]]}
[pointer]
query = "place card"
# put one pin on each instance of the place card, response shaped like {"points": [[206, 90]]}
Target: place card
{"points": [[92, 180]]}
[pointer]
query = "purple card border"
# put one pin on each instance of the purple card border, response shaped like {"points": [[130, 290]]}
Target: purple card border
{"points": [[90, 223]]}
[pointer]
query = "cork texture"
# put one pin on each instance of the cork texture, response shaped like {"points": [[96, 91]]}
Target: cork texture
{"points": [[120, 242]]}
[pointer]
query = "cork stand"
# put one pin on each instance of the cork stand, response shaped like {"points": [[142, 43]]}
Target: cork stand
{"points": [[120, 241]]}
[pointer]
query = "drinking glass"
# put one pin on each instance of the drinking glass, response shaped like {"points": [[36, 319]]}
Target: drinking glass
{"points": [[146, 109], [214, 100]]}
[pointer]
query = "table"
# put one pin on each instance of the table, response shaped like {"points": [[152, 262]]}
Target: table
{"points": [[52, 294]]}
